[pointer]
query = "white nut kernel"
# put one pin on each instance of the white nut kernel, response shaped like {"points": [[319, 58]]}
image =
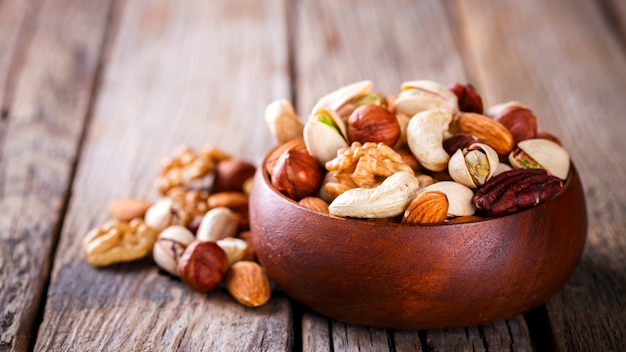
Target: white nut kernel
{"points": [[218, 223], [159, 215], [425, 134], [459, 197], [388, 199], [235, 248]]}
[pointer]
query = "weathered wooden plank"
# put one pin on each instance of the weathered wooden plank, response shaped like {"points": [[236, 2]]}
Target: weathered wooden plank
{"points": [[562, 59], [507, 335], [347, 337], [342, 42], [462, 339], [617, 15], [192, 72], [407, 341], [315, 333], [14, 20], [50, 79]]}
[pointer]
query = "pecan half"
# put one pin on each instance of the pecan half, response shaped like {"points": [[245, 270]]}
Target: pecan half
{"points": [[513, 190]]}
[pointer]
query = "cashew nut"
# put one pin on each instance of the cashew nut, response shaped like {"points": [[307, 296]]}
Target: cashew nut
{"points": [[425, 138], [459, 197], [388, 199]]}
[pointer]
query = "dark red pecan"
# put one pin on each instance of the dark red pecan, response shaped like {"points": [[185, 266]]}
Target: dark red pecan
{"points": [[513, 190], [468, 98]]}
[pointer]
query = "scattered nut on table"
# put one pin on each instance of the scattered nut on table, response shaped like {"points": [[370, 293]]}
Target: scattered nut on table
{"points": [[118, 242]]}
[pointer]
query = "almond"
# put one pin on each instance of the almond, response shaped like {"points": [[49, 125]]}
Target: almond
{"points": [[236, 201], [314, 203], [428, 208], [248, 284], [127, 209], [488, 131]]}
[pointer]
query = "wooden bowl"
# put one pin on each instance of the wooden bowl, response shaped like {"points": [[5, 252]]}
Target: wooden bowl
{"points": [[418, 277]]}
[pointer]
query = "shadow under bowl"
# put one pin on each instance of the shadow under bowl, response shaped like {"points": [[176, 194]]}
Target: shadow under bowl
{"points": [[419, 277]]}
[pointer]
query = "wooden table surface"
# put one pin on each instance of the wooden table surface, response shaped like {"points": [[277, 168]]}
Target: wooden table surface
{"points": [[94, 93]]}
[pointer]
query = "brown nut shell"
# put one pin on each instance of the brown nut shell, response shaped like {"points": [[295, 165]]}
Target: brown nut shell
{"points": [[516, 189], [428, 208], [520, 121], [296, 174], [373, 123], [231, 174], [488, 131], [468, 98], [248, 284], [202, 265]]}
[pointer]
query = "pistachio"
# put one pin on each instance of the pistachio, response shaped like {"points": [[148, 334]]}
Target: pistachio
{"points": [[235, 248], [324, 134], [418, 96], [473, 166], [159, 215], [170, 245], [459, 197], [541, 153], [216, 224], [339, 97], [282, 121]]}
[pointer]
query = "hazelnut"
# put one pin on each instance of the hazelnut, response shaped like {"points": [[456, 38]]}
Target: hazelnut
{"points": [[468, 98], [373, 123], [231, 174], [296, 174], [272, 158], [203, 265], [519, 120], [549, 136]]}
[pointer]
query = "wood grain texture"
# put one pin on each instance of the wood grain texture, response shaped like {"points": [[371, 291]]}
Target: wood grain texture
{"points": [[315, 333], [574, 80], [50, 83], [393, 48], [617, 17], [193, 72], [347, 41]]}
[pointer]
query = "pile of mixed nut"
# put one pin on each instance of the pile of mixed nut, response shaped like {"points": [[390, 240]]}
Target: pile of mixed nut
{"points": [[198, 229], [428, 155]]}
